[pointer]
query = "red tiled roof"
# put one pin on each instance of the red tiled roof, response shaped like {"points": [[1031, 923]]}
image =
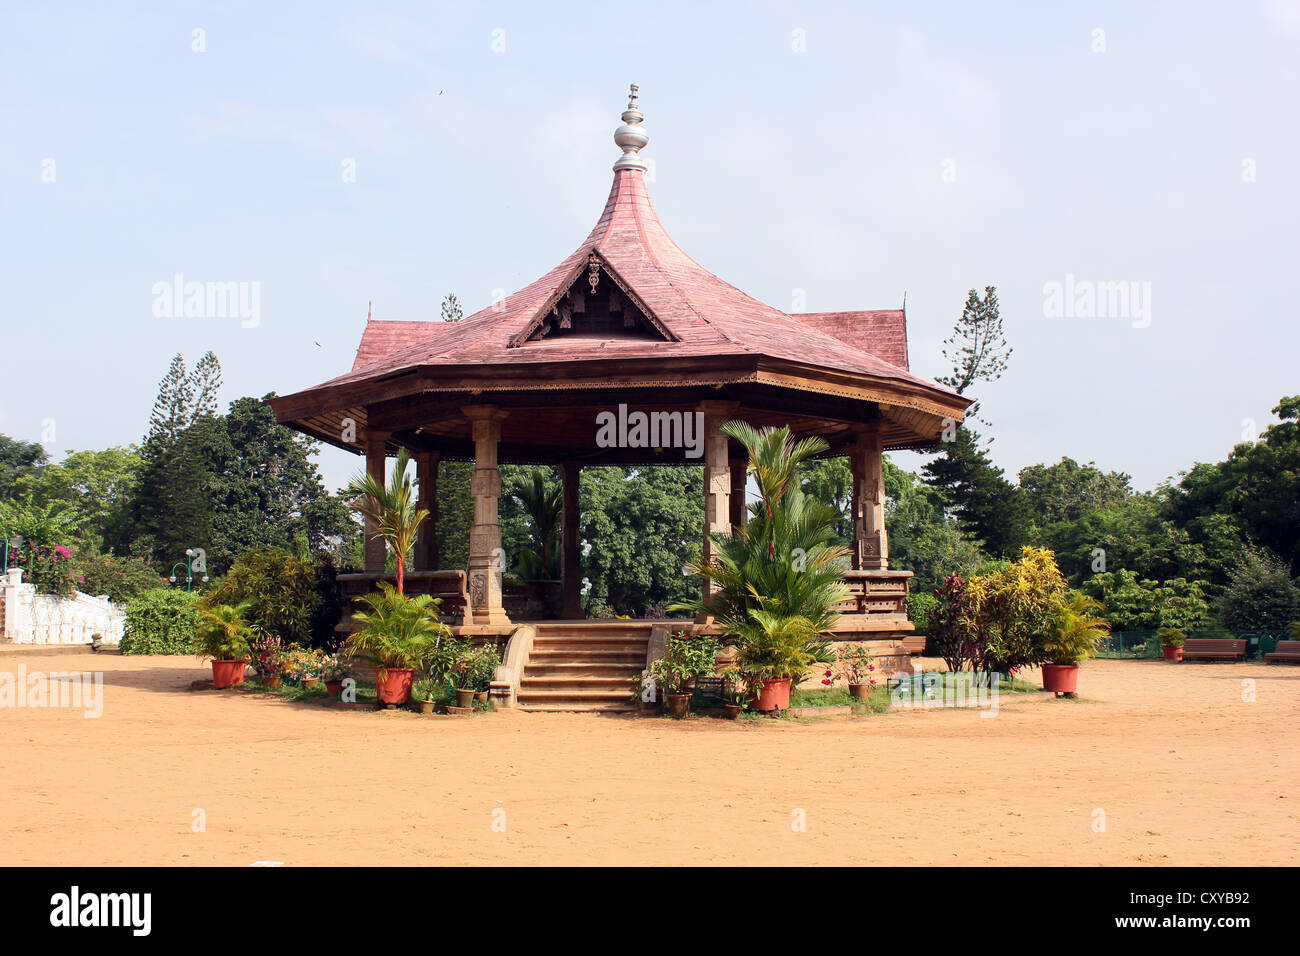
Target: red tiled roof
{"points": [[882, 332], [707, 316]]}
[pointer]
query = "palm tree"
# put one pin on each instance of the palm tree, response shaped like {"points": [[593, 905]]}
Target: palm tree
{"points": [[540, 497], [1075, 632], [773, 458], [392, 510], [781, 564]]}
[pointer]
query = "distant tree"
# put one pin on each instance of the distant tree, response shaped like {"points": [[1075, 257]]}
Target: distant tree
{"points": [[173, 409], [1066, 491], [451, 310], [205, 382], [17, 458], [97, 486], [538, 493], [976, 347], [990, 508]]}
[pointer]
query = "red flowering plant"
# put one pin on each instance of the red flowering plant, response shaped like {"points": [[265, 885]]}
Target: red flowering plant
{"points": [[855, 664], [265, 654]]}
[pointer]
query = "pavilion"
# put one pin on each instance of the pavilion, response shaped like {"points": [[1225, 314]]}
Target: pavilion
{"points": [[628, 324]]}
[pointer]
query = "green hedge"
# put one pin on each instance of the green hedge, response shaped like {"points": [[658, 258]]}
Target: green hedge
{"points": [[160, 621]]}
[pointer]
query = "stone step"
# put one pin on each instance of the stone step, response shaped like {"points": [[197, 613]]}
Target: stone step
{"points": [[577, 685], [611, 629], [596, 655], [570, 668], [579, 707]]}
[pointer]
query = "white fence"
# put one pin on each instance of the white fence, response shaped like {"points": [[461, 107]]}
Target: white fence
{"points": [[32, 618]]}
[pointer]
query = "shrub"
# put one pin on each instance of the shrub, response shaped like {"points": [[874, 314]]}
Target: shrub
{"points": [[685, 658], [160, 621], [279, 589], [1011, 610], [919, 607], [122, 579], [1260, 594], [947, 635], [1074, 632]]}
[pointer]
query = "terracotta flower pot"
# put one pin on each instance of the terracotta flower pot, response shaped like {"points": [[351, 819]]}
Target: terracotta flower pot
{"points": [[772, 695], [393, 684], [426, 706], [733, 711], [227, 673], [677, 705], [481, 697], [334, 688], [1061, 678], [272, 682], [1173, 653], [464, 698], [310, 682], [860, 691]]}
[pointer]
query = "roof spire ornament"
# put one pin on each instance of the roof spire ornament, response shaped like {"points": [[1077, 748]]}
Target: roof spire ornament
{"points": [[631, 137]]}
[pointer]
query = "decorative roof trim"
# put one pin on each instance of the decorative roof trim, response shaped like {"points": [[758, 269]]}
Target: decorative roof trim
{"points": [[593, 263]]}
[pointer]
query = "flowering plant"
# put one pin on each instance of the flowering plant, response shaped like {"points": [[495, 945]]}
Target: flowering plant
{"points": [[855, 664], [301, 663], [331, 668], [265, 654]]}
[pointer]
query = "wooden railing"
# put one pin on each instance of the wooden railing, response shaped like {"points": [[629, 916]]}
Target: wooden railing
{"points": [[448, 586]]}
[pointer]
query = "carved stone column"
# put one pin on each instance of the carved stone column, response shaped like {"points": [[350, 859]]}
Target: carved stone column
{"points": [[717, 484], [376, 458], [425, 557], [570, 543], [486, 559], [870, 543]]}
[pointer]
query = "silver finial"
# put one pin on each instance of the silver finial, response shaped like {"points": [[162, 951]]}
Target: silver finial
{"points": [[631, 137]]}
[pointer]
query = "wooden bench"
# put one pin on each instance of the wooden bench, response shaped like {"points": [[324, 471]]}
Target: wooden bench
{"points": [[449, 587], [1286, 651], [914, 643], [1214, 649]]}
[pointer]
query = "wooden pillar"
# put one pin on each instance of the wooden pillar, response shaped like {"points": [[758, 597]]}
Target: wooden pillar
{"points": [[426, 540], [717, 484], [870, 543], [486, 559], [570, 543], [739, 475], [376, 459]]}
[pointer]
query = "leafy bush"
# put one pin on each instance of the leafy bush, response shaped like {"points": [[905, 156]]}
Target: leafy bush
{"points": [[947, 634], [1011, 610], [1133, 604], [1074, 632], [398, 631], [685, 658], [1260, 594], [279, 589], [122, 579], [160, 621], [919, 607]]}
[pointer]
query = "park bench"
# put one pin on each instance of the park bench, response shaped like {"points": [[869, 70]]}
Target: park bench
{"points": [[1286, 651], [914, 643], [1214, 649]]}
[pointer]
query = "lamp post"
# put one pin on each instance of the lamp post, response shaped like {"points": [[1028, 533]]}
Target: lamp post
{"points": [[17, 542], [189, 573]]}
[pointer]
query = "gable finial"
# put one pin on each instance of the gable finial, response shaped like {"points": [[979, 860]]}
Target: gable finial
{"points": [[631, 137]]}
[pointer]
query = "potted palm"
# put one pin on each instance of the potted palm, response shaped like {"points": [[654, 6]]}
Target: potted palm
{"points": [[391, 509], [222, 635], [1171, 642], [1073, 634], [778, 577], [397, 633], [685, 658], [774, 651]]}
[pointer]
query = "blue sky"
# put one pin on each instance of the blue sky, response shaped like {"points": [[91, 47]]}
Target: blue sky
{"points": [[918, 148]]}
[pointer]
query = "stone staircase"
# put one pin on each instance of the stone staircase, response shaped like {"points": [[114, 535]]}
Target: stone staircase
{"points": [[584, 666]]}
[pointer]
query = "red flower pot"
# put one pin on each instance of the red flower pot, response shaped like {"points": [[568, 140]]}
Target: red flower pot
{"points": [[334, 687], [860, 691], [772, 695], [393, 684], [1173, 653], [1061, 678], [227, 673]]}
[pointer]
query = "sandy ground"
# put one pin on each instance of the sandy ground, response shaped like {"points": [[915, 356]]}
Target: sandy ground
{"points": [[1185, 771]]}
